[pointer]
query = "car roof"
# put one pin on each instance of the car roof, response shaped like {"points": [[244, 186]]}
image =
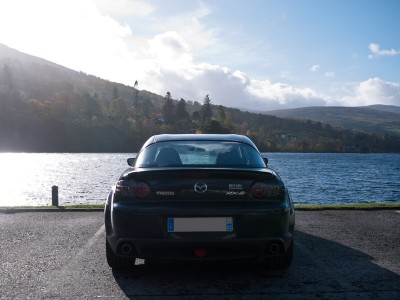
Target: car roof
{"points": [[199, 137]]}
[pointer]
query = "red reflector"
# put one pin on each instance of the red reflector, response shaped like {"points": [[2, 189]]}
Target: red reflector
{"points": [[200, 253]]}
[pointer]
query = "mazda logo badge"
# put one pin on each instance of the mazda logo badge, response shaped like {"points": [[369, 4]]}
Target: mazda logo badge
{"points": [[200, 188]]}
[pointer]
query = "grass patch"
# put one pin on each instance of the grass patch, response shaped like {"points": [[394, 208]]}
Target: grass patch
{"points": [[83, 206], [365, 206], [52, 208], [355, 206]]}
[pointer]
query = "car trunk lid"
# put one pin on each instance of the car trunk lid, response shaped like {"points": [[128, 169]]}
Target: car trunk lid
{"points": [[201, 183]]}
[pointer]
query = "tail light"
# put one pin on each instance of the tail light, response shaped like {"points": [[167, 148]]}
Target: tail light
{"points": [[141, 190], [263, 190], [131, 188]]}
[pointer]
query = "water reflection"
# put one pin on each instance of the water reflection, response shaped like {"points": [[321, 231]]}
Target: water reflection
{"points": [[85, 178]]}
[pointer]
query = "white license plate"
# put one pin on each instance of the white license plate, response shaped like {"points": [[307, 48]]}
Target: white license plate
{"points": [[218, 224]]}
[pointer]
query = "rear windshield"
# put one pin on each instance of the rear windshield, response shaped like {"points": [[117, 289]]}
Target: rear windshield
{"points": [[199, 153]]}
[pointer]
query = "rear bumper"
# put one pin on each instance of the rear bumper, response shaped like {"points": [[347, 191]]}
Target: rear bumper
{"points": [[209, 250], [142, 233]]}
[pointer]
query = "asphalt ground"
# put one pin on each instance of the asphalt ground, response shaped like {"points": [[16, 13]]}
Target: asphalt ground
{"points": [[342, 254]]}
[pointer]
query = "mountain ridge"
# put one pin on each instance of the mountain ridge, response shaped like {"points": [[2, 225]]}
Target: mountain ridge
{"points": [[45, 107], [377, 118]]}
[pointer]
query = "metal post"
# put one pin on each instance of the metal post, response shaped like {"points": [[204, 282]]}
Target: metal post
{"points": [[54, 195]]}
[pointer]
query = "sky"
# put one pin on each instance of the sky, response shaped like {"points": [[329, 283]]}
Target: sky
{"points": [[255, 54]]}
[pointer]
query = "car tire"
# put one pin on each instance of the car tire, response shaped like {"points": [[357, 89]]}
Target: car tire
{"points": [[282, 261], [118, 262]]}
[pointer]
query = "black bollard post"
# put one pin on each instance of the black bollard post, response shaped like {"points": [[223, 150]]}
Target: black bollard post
{"points": [[54, 195]]}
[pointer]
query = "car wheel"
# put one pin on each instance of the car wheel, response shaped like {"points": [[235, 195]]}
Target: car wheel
{"points": [[118, 262], [281, 262]]}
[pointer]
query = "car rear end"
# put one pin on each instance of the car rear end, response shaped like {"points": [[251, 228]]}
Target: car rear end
{"points": [[202, 212], [241, 214]]}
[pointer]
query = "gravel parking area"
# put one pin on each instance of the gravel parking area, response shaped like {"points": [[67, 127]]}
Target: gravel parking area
{"points": [[338, 255]]}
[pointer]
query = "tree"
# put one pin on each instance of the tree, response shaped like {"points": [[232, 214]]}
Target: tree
{"points": [[115, 93], [206, 109], [87, 106], [168, 109], [136, 105], [221, 116], [118, 109], [6, 77], [245, 127], [228, 122], [135, 102], [181, 113], [213, 126], [196, 116]]}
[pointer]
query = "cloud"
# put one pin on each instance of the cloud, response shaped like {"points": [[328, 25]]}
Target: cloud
{"points": [[189, 27], [376, 51], [90, 36], [131, 8], [374, 91], [330, 74], [230, 88], [315, 68], [278, 95], [93, 40], [170, 51]]}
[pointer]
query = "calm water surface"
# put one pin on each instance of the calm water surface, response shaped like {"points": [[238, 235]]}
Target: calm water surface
{"points": [[26, 179], [339, 178]]}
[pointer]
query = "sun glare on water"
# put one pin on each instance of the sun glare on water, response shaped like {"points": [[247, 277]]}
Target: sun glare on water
{"points": [[20, 174]]}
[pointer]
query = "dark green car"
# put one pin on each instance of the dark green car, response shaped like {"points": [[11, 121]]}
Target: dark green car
{"points": [[199, 197]]}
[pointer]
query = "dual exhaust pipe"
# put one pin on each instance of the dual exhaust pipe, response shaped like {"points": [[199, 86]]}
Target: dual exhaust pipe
{"points": [[274, 248], [127, 249]]}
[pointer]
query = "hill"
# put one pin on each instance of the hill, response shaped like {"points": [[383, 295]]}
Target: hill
{"points": [[379, 119], [44, 80], [45, 107]]}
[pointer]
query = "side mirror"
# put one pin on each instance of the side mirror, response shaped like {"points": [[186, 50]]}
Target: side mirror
{"points": [[265, 161], [131, 161]]}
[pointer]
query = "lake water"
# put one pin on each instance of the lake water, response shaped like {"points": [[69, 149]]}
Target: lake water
{"points": [[85, 178]]}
